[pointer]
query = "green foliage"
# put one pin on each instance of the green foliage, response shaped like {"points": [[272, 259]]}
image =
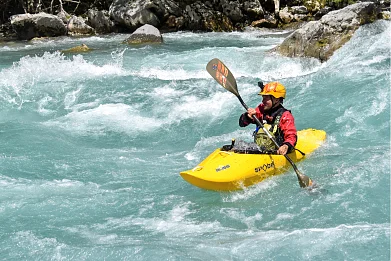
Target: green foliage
{"points": [[314, 5], [77, 7], [322, 42], [337, 4]]}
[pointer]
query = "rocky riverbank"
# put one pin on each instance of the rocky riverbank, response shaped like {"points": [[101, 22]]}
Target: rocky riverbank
{"points": [[328, 24]]}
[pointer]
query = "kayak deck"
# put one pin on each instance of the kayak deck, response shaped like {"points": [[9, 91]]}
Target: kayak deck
{"points": [[229, 170]]}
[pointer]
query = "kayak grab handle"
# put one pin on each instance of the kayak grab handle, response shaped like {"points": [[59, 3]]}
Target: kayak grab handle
{"points": [[197, 168]]}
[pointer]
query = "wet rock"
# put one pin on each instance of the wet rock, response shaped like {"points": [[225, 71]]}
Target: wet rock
{"points": [[199, 16], [64, 16], [319, 39], [165, 8], [77, 49], [133, 14], [232, 9], [267, 22], [253, 9], [100, 21], [285, 16], [77, 26], [385, 15], [146, 34], [322, 12], [28, 26], [299, 10]]}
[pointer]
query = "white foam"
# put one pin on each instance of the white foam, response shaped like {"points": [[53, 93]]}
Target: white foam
{"points": [[107, 117], [5, 48], [240, 216], [192, 106], [377, 59], [71, 98], [33, 244], [42, 104], [354, 118], [170, 74], [365, 48], [175, 223], [380, 103], [280, 217], [249, 34], [168, 92], [250, 192], [36, 75], [199, 149], [271, 67]]}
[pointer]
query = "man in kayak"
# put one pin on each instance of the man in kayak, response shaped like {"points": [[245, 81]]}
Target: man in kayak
{"points": [[278, 120]]}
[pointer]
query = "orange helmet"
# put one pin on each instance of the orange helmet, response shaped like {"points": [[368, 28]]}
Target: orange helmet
{"points": [[276, 89]]}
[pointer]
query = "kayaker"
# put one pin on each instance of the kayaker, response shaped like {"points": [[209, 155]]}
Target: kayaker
{"points": [[278, 120]]}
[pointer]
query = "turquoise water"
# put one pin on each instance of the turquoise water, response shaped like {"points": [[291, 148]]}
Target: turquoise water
{"points": [[92, 147]]}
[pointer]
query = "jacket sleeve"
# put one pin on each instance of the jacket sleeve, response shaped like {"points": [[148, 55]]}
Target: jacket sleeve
{"points": [[287, 125], [244, 120]]}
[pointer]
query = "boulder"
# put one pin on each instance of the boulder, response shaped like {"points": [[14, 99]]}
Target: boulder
{"points": [[232, 9], [285, 16], [144, 35], [165, 8], [169, 14], [64, 16], [253, 9], [268, 22], [299, 10], [293, 14], [28, 26], [174, 23], [321, 38], [322, 12], [385, 15], [199, 16], [77, 26], [133, 14], [216, 22], [100, 21]]}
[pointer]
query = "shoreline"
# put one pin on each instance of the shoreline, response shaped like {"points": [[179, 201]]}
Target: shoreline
{"points": [[267, 32], [201, 17]]}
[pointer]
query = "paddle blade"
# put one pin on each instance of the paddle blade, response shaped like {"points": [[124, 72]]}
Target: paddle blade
{"points": [[304, 181], [222, 75]]}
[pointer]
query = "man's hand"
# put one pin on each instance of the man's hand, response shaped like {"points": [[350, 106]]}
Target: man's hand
{"points": [[251, 112], [283, 149]]}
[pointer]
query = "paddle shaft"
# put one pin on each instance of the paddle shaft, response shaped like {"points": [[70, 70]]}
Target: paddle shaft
{"points": [[304, 181], [224, 77]]}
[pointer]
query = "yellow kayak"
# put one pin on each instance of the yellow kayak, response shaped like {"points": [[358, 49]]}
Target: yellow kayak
{"points": [[229, 170]]}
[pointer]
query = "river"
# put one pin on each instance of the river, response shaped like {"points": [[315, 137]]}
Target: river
{"points": [[93, 143]]}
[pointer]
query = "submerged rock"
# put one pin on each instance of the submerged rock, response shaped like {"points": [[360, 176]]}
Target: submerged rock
{"points": [[145, 34], [77, 49]]}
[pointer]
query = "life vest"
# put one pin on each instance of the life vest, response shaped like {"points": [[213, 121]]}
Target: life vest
{"points": [[261, 138]]}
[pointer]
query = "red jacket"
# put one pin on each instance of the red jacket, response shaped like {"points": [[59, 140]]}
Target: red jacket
{"points": [[287, 123]]}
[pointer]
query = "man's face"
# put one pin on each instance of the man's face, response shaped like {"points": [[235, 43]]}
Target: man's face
{"points": [[267, 101]]}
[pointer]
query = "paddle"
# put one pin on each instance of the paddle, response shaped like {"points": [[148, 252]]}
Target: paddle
{"points": [[224, 77]]}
